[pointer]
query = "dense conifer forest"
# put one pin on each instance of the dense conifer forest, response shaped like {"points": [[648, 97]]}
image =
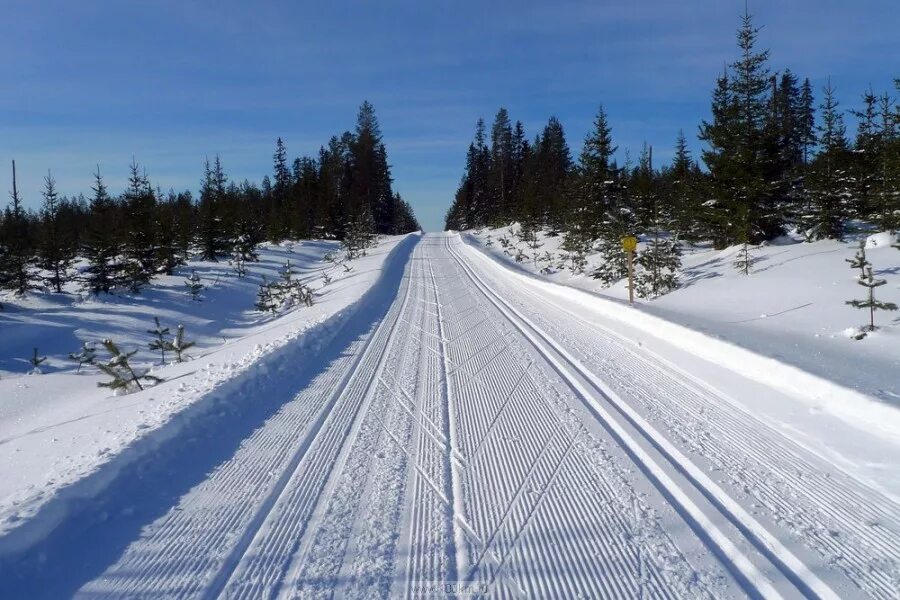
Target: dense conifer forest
{"points": [[129, 238], [776, 158]]}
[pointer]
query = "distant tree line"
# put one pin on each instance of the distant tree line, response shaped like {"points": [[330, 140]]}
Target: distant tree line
{"points": [[772, 164], [130, 238]]}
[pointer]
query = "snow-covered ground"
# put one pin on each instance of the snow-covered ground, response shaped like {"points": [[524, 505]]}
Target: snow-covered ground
{"points": [[59, 427], [480, 430], [792, 308]]}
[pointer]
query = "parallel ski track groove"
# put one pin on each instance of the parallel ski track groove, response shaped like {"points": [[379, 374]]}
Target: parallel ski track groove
{"points": [[780, 557], [777, 472], [267, 563], [508, 483], [173, 556]]}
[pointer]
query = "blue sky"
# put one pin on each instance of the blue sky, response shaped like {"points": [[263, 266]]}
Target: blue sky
{"points": [[172, 82]]}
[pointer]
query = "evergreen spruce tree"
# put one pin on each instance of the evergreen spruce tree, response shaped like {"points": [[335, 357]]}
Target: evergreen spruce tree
{"points": [[180, 344], [888, 181], [806, 121], [214, 236], [370, 176], [243, 251], [140, 244], [859, 260], [551, 165], [471, 204], [739, 153], [829, 182], [744, 259], [643, 191], [659, 263], [866, 159], [501, 174], [86, 356], [684, 194], [278, 225], [160, 341], [17, 245], [56, 251], [594, 194], [614, 261], [170, 253], [36, 361], [101, 245], [125, 377], [194, 286], [870, 283], [265, 300]]}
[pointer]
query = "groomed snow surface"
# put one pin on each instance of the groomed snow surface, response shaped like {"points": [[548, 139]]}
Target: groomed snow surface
{"points": [[441, 425]]}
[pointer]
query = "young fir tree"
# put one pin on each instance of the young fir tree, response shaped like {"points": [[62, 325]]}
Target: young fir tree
{"points": [[829, 182], [278, 228], [169, 252], [593, 192], [238, 258], [870, 283], [213, 238], [552, 166], [56, 250], [125, 377], [87, 355], [265, 300], [859, 260], [194, 286], [888, 181], [614, 261], [101, 245], [282, 289], [744, 259], [36, 361], [659, 263], [865, 159], [738, 154], [683, 193], [359, 234], [17, 245], [180, 344], [501, 174], [370, 176], [160, 343], [140, 242]]}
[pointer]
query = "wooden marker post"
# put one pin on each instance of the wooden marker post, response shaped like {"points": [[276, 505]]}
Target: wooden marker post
{"points": [[629, 245]]}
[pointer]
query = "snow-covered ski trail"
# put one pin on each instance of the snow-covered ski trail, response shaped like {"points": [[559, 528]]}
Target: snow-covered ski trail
{"points": [[482, 438], [538, 499], [844, 524], [197, 547]]}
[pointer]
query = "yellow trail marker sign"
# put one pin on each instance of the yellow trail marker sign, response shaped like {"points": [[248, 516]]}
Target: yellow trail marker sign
{"points": [[629, 243]]}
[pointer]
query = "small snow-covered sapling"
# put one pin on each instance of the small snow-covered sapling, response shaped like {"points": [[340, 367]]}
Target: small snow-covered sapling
{"points": [[870, 302], [180, 344], [86, 356], [859, 260], [36, 361], [265, 301], [744, 259], [160, 343], [194, 286], [124, 376]]}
